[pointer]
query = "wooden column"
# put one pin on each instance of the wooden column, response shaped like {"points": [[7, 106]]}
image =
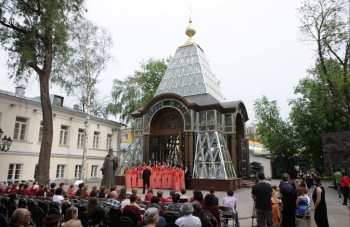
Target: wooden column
{"points": [[233, 152], [146, 148], [239, 166], [187, 155], [190, 152]]}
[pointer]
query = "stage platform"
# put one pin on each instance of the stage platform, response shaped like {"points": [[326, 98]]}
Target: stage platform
{"points": [[204, 184]]}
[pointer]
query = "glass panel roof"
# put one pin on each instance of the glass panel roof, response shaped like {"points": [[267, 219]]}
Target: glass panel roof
{"points": [[189, 74]]}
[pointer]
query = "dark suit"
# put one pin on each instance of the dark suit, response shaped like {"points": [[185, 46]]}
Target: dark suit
{"points": [[145, 176], [187, 176]]}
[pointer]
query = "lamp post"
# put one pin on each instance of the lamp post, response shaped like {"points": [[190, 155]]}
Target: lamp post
{"points": [[5, 142]]}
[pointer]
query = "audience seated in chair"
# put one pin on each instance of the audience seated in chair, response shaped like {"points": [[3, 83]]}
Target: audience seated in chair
{"points": [[188, 220], [175, 206], [21, 217]]}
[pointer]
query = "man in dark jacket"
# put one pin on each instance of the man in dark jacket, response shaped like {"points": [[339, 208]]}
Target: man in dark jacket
{"points": [[187, 177], [145, 176]]}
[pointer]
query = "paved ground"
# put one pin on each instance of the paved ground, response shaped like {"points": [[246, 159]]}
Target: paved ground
{"points": [[338, 215]]}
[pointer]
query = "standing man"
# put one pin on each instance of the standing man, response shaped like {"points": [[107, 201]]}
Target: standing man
{"points": [[145, 176], [261, 193], [187, 177], [337, 179]]}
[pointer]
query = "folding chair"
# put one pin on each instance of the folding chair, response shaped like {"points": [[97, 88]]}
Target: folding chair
{"points": [[227, 214]]}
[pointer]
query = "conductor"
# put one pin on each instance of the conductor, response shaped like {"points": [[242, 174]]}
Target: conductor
{"points": [[145, 176]]}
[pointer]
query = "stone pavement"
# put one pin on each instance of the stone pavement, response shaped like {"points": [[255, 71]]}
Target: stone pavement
{"points": [[338, 215]]}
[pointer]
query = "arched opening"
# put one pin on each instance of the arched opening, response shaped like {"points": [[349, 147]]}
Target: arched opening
{"points": [[166, 136]]}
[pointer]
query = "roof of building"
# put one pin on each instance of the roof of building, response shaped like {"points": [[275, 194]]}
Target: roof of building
{"points": [[37, 100], [189, 72]]}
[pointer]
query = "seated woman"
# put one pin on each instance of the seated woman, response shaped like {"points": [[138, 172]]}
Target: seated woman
{"points": [[26, 190], [170, 198], [102, 194], [198, 196], [155, 203], [134, 191], [93, 202], [42, 191], [302, 202], [93, 192], [183, 197], [85, 194], [13, 198], [209, 205], [58, 197], [71, 191], [160, 196], [132, 206], [35, 190]]}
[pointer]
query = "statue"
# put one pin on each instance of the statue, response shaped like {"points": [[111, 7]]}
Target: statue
{"points": [[108, 169]]}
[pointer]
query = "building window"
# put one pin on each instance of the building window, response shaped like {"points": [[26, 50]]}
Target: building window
{"points": [[20, 128], [40, 132], [109, 141], [96, 140], [125, 137], [64, 135], [15, 171], [81, 137], [77, 171], [94, 171], [61, 169]]}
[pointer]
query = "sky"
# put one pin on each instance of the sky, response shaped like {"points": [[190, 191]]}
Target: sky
{"points": [[253, 46]]}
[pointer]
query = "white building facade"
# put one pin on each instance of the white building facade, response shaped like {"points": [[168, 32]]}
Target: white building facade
{"points": [[21, 119]]}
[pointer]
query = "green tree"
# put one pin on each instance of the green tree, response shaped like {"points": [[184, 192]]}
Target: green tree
{"points": [[135, 91], [90, 55], [326, 24], [314, 112], [35, 36], [276, 134]]}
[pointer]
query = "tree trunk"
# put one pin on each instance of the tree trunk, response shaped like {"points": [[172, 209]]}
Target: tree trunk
{"points": [[86, 142], [43, 168]]}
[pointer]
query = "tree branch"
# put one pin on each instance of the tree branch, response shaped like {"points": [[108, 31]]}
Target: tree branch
{"points": [[14, 27], [31, 8]]}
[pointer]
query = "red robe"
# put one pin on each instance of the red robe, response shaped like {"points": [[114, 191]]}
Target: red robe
{"points": [[139, 179], [7, 190], [164, 179], [176, 181], [153, 179], [133, 178], [170, 179], [159, 179], [182, 179], [26, 192], [128, 178]]}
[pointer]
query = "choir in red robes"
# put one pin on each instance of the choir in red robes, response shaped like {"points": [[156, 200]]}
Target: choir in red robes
{"points": [[133, 178], [128, 178]]}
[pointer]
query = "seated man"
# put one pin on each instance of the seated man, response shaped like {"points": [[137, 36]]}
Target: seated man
{"points": [[20, 217], [216, 199], [113, 202], [230, 201]]}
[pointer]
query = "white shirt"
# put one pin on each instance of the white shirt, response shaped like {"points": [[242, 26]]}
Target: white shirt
{"points": [[188, 221], [57, 198], [125, 202]]}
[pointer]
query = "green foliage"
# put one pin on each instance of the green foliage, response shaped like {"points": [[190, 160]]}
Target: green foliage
{"points": [[276, 134], [34, 31], [325, 24], [314, 113], [135, 91]]}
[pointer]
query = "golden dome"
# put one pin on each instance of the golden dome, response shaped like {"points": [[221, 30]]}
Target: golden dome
{"points": [[190, 31]]}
